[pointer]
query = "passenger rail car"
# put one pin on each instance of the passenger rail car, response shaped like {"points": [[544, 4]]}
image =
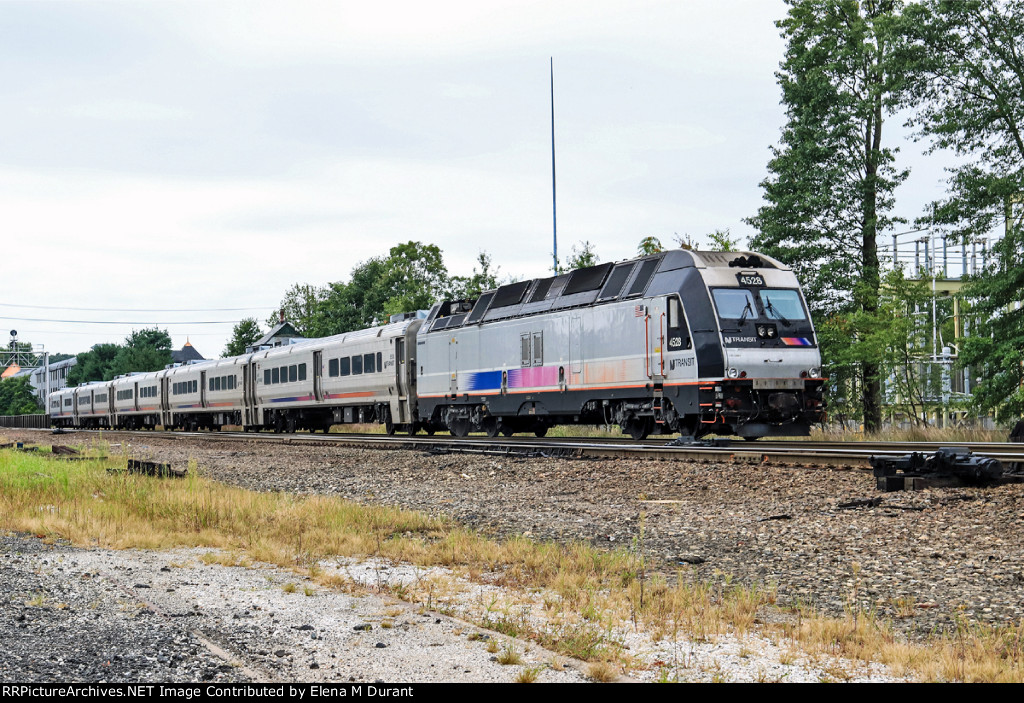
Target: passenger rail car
{"points": [[681, 341]]}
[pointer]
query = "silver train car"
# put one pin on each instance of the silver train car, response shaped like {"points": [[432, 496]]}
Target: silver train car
{"points": [[681, 341]]}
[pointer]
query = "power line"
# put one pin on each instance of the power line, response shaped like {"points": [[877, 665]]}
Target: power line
{"points": [[64, 307], [124, 322]]}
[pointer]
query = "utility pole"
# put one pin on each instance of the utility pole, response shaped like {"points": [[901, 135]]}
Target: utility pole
{"points": [[554, 208]]}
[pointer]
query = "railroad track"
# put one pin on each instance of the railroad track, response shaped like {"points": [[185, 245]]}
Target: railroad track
{"points": [[799, 453]]}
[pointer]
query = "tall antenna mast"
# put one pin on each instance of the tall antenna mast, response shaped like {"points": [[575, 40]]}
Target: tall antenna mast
{"points": [[554, 202]]}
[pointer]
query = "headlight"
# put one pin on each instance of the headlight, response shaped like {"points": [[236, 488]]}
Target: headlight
{"points": [[814, 372], [733, 373]]}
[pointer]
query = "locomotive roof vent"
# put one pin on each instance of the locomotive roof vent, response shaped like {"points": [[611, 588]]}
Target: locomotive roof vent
{"points": [[748, 262]]}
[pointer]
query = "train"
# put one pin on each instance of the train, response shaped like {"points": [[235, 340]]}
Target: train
{"points": [[682, 341]]}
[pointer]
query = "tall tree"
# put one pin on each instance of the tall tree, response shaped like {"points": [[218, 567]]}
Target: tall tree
{"points": [[484, 278], [968, 71], [649, 245], [16, 397], [243, 334], [582, 256], [143, 350], [830, 189]]}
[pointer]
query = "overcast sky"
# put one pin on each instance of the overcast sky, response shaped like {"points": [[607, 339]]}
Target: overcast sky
{"points": [[202, 155]]}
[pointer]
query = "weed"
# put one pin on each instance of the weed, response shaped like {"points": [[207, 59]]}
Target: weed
{"points": [[289, 587], [528, 674], [602, 672], [510, 655]]}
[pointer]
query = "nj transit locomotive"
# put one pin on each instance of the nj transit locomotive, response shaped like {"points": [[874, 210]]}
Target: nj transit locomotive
{"points": [[681, 341]]}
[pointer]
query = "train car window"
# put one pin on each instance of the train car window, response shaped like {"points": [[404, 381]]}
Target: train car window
{"points": [[678, 333], [526, 356], [480, 308], [510, 294], [345, 367], [538, 348], [212, 382], [302, 372], [644, 277], [332, 367], [616, 281], [734, 303], [782, 304], [275, 375], [357, 365], [585, 279], [293, 373], [543, 286], [195, 386], [266, 377], [380, 366]]}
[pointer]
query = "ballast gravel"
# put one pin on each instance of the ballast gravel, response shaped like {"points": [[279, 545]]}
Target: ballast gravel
{"points": [[822, 537]]}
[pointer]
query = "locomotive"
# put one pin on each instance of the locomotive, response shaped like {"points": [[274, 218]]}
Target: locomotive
{"points": [[694, 342]]}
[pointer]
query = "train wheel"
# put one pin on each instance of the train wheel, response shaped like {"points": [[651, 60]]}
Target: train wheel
{"points": [[507, 431], [279, 424], [412, 428], [389, 427], [430, 430], [637, 427], [459, 427], [290, 424], [541, 431], [751, 439], [491, 426]]}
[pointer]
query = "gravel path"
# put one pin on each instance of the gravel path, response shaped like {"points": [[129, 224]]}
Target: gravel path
{"points": [[72, 615], [922, 558]]}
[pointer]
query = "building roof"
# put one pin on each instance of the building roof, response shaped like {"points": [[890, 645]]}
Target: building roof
{"points": [[282, 333], [186, 354]]}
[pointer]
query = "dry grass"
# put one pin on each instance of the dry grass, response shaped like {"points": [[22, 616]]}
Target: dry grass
{"points": [[913, 434], [584, 594]]}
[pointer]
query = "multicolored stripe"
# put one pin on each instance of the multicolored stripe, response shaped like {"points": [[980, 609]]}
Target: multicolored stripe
{"points": [[797, 341]]}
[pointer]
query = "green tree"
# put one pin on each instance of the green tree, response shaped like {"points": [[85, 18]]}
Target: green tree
{"points": [[830, 189], [484, 278], [582, 256], [301, 306], [243, 334], [968, 81], [93, 365], [721, 239], [17, 397], [143, 350], [649, 245]]}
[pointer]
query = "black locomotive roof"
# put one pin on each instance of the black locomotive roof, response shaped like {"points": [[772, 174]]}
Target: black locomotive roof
{"points": [[587, 286]]}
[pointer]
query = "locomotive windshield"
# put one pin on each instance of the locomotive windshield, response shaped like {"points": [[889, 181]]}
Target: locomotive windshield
{"points": [[741, 304], [735, 303]]}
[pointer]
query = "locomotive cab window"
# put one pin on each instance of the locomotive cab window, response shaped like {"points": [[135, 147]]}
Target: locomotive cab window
{"points": [[782, 304], [735, 304], [678, 332]]}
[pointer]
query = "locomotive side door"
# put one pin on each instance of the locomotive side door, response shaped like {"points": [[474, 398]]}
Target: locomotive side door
{"points": [[453, 365]]}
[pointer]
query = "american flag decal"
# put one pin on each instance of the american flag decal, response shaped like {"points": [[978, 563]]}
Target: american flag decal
{"points": [[638, 311]]}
